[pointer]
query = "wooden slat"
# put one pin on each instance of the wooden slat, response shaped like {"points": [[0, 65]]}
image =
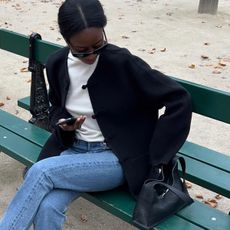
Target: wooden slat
{"points": [[207, 176], [206, 155], [23, 128], [208, 101], [19, 44], [24, 103], [18, 148], [121, 204]]}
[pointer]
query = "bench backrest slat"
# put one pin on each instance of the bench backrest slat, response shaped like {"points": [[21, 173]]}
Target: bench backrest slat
{"points": [[19, 44], [206, 101]]}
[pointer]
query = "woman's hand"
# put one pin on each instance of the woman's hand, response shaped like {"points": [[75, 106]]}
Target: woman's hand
{"points": [[76, 125]]}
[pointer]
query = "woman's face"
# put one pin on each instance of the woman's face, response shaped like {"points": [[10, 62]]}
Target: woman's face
{"points": [[86, 44]]}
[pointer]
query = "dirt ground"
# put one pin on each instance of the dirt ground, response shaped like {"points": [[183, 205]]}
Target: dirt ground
{"points": [[170, 35]]}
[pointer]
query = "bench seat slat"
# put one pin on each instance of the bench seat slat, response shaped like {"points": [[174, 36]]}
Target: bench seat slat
{"points": [[198, 213], [207, 176], [18, 148], [23, 128], [206, 155]]}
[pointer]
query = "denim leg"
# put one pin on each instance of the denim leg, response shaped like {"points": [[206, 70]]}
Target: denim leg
{"points": [[51, 212], [83, 172]]}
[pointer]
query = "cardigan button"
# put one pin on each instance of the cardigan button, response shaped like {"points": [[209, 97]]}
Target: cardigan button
{"points": [[84, 86]]}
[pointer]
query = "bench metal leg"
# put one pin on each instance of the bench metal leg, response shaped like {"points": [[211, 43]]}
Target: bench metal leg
{"points": [[208, 6]]}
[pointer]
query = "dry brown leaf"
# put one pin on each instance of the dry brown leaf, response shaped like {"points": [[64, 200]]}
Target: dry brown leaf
{"points": [[213, 205], [24, 69], [204, 57], [124, 37], [218, 197], [188, 184], [192, 66], [1, 104], [206, 44], [83, 218], [28, 81], [221, 64], [163, 50], [199, 196], [8, 98], [212, 200]]}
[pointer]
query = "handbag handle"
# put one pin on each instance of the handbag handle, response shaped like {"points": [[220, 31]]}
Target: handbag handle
{"points": [[183, 166], [184, 196]]}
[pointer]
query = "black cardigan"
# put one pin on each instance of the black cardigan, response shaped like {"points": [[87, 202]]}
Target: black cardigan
{"points": [[126, 95]]}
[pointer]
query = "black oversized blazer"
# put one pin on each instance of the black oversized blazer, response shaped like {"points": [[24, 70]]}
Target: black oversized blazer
{"points": [[126, 95]]}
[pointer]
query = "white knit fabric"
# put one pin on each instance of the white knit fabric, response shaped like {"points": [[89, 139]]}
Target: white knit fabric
{"points": [[78, 101]]}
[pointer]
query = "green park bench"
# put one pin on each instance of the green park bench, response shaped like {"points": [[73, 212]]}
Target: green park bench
{"points": [[205, 167]]}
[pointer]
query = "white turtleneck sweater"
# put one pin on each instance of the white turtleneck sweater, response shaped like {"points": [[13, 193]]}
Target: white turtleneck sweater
{"points": [[78, 101]]}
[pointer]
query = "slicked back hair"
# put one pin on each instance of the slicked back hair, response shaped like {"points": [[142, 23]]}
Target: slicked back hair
{"points": [[77, 15]]}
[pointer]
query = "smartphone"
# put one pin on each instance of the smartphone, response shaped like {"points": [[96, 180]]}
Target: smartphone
{"points": [[68, 121]]}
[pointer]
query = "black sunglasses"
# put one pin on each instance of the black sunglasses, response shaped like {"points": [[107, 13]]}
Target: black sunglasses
{"points": [[96, 51]]}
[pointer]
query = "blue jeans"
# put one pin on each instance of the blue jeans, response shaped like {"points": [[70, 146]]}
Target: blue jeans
{"points": [[53, 183]]}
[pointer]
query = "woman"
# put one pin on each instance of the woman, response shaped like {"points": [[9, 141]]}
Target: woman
{"points": [[117, 137]]}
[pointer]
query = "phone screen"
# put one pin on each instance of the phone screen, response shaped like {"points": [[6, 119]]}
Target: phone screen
{"points": [[68, 121]]}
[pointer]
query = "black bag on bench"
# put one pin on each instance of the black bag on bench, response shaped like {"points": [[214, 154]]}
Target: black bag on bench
{"points": [[160, 199]]}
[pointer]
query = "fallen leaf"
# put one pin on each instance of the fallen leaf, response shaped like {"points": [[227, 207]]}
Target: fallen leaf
{"points": [[83, 218], [28, 81], [213, 205], [206, 44], [212, 200], [199, 196], [192, 66], [24, 69], [204, 57], [163, 50], [221, 64], [8, 98], [152, 51], [188, 184], [124, 37], [218, 197], [1, 104]]}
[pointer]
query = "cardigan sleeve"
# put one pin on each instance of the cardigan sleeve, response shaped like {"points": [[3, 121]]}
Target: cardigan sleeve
{"points": [[173, 125]]}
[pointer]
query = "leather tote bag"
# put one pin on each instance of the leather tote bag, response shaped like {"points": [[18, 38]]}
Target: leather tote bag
{"points": [[160, 199]]}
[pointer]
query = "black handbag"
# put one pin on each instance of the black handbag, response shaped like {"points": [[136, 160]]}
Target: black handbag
{"points": [[159, 199]]}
